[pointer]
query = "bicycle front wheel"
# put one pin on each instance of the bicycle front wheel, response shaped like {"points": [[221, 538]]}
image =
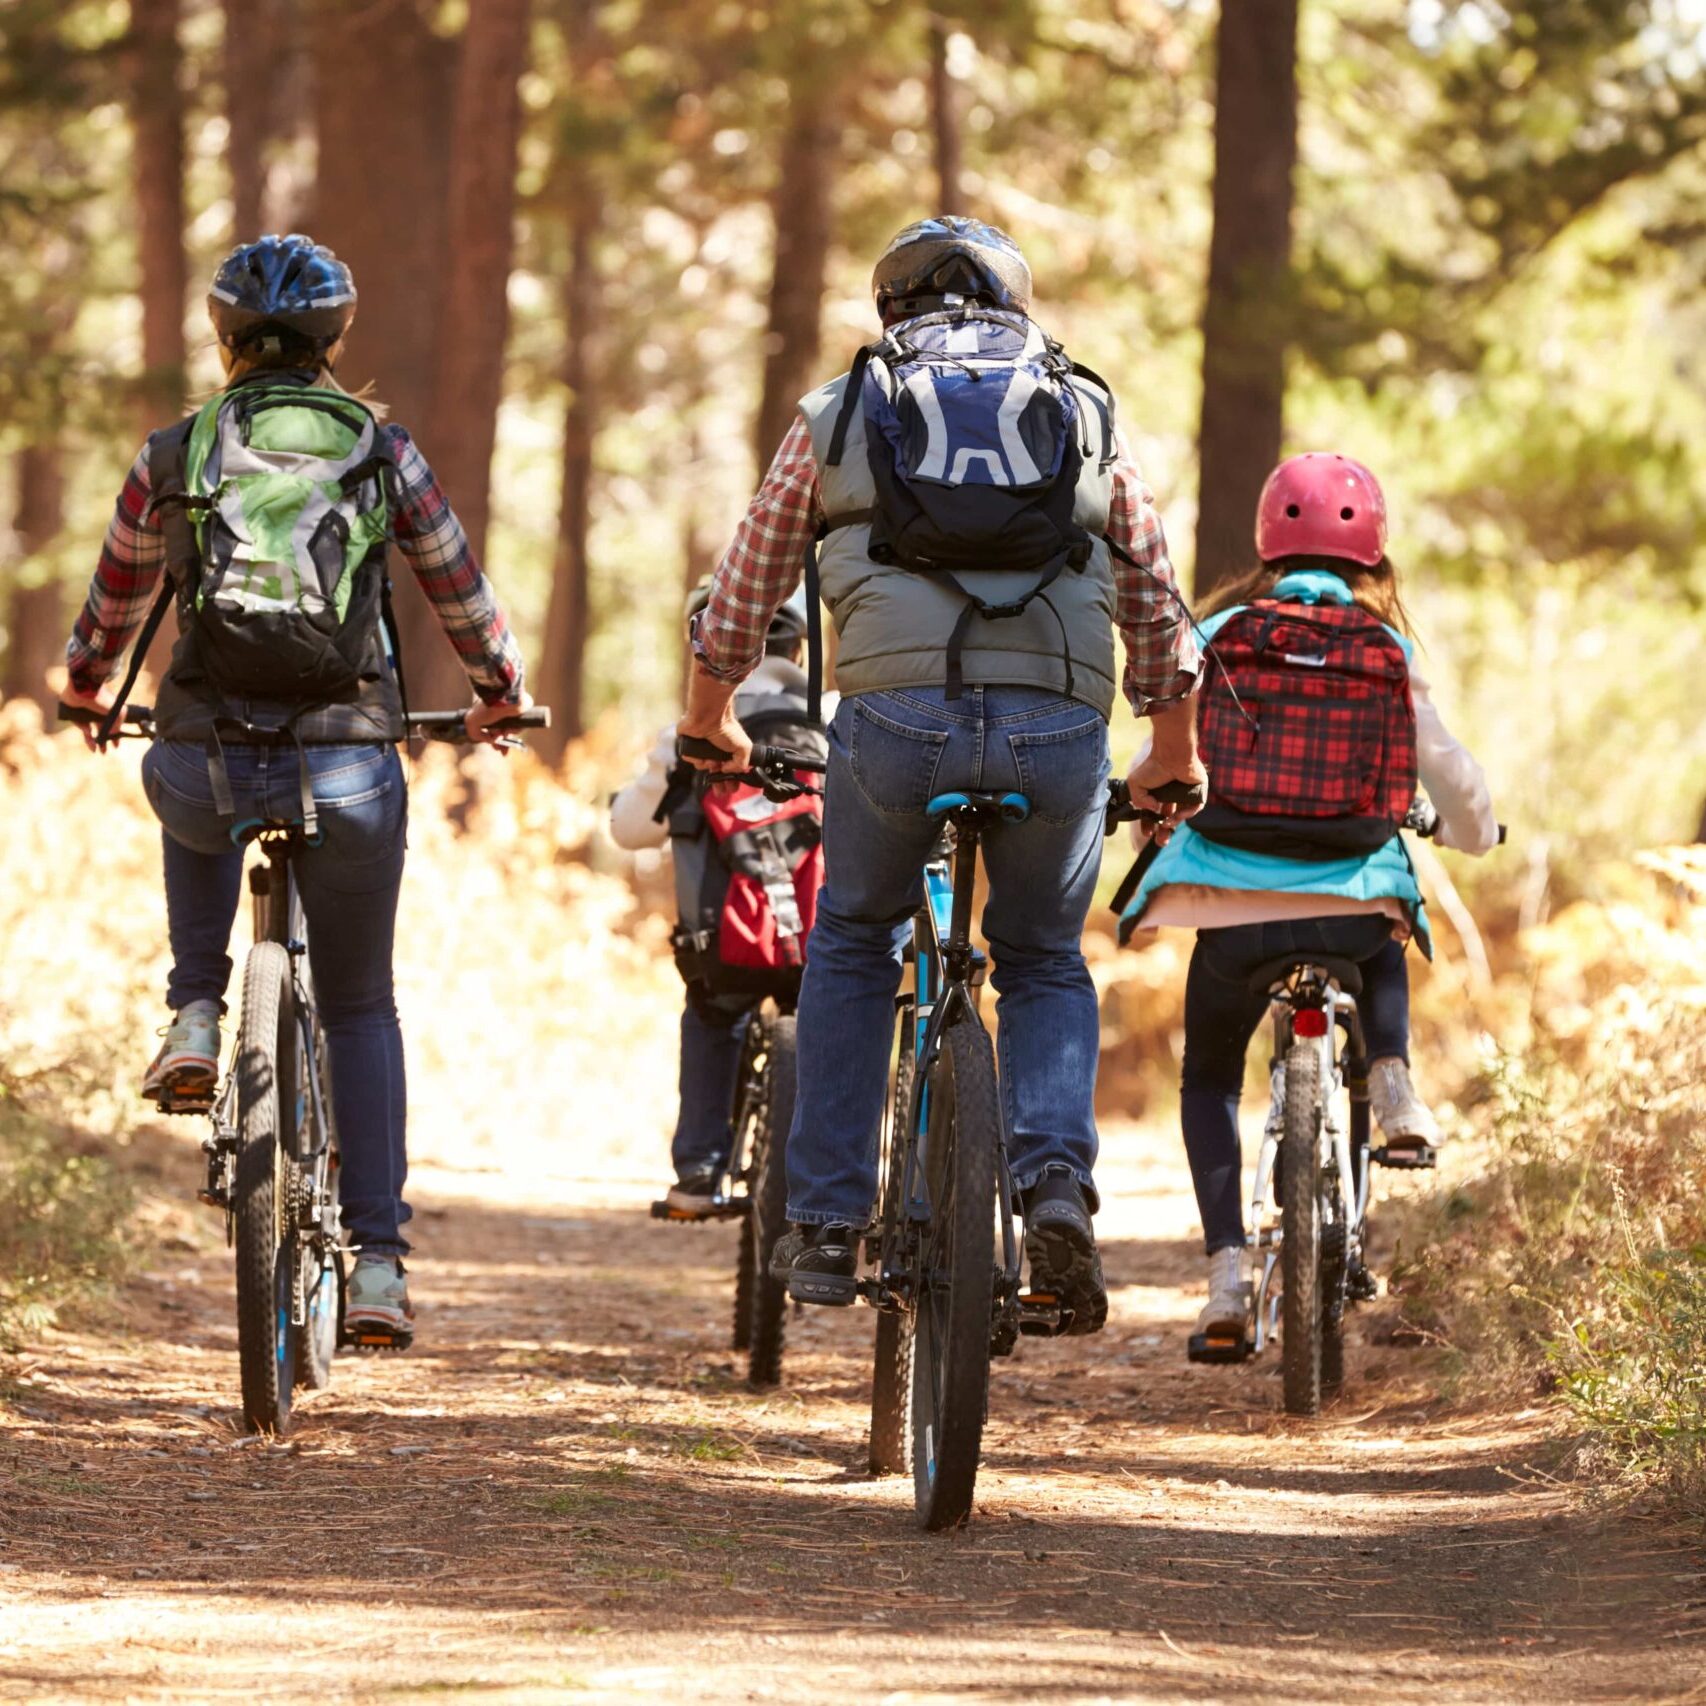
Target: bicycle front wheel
{"points": [[267, 1189], [1300, 1244], [949, 1365], [768, 1216], [743, 1168]]}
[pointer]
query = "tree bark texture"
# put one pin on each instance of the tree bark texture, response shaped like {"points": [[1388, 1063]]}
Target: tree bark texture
{"points": [[157, 118], [562, 671], [35, 620], [470, 366], [383, 93], [1247, 311], [804, 223], [945, 122]]}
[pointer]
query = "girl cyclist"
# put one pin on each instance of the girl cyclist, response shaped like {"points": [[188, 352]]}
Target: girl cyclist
{"points": [[248, 730], [1321, 541]]}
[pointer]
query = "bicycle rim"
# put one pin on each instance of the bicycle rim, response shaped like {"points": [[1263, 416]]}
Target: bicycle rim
{"points": [[1300, 1247], [744, 1161], [949, 1363], [769, 1216]]}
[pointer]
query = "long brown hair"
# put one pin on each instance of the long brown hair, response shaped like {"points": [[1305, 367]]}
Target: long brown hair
{"points": [[1375, 589]]}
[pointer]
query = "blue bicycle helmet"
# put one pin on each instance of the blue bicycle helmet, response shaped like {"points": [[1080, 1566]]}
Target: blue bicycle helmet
{"points": [[949, 256], [282, 285]]}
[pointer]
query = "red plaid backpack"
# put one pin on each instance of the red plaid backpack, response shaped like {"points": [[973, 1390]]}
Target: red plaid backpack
{"points": [[1308, 732]]}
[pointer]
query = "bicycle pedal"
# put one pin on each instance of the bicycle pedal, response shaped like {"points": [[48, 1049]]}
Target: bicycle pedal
{"points": [[193, 1104], [1041, 1315], [214, 1199], [1419, 1160], [1218, 1347], [727, 1208], [368, 1339]]}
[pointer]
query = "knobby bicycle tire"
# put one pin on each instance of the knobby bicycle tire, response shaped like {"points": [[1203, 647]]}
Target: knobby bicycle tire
{"points": [[265, 1189], [887, 1455], [1300, 1246], [769, 1216], [743, 1157], [948, 1370]]}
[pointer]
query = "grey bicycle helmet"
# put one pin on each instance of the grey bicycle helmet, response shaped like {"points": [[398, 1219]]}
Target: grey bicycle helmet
{"points": [[787, 627], [950, 256]]}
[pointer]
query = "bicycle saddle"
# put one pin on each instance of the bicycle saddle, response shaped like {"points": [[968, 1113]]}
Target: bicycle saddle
{"points": [[986, 806], [1347, 974]]}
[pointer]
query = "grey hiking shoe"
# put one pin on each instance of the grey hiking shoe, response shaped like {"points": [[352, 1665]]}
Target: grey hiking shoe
{"points": [[820, 1264], [187, 1067], [377, 1311], [1060, 1245]]}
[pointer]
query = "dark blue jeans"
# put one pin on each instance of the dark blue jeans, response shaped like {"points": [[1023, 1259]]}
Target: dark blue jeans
{"points": [[349, 886], [711, 1037], [888, 754], [1221, 1016]]}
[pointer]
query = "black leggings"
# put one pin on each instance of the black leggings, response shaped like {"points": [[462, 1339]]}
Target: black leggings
{"points": [[1221, 1015]]}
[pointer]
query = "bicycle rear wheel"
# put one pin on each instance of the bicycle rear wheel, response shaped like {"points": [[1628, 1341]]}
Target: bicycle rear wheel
{"points": [[949, 1363], [887, 1455], [267, 1189], [743, 1168], [1300, 1244], [768, 1218]]}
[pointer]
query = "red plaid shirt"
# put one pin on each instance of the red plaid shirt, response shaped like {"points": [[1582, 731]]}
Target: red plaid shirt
{"points": [[764, 563], [428, 534]]}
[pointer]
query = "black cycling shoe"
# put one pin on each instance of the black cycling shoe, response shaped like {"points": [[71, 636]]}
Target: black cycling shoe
{"points": [[696, 1191], [819, 1263], [1060, 1245]]}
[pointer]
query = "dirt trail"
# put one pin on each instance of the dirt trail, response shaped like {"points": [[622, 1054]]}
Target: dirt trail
{"points": [[568, 1492]]}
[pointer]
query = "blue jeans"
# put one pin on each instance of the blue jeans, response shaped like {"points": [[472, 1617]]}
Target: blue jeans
{"points": [[349, 886], [888, 754], [1221, 1016], [711, 1039]]}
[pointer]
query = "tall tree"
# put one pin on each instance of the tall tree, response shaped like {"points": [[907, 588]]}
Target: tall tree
{"points": [[263, 92], [945, 121], [383, 92], [470, 365], [1247, 309], [35, 621], [157, 117], [804, 222]]}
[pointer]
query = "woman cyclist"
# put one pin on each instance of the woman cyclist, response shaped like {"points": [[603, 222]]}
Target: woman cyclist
{"points": [[247, 731], [1321, 541]]}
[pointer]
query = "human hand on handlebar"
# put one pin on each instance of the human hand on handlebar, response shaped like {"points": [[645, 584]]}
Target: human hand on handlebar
{"points": [[710, 716], [1155, 771], [100, 702], [481, 719]]}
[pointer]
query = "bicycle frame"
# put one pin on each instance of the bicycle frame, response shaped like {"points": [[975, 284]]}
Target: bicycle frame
{"points": [[1346, 1146]]}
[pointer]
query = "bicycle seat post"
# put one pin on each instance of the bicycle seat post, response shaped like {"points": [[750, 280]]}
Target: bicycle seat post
{"points": [[956, 951]]}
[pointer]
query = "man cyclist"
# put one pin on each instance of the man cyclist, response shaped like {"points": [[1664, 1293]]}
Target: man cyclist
{"points": [[1028, 711], [233, 748]]}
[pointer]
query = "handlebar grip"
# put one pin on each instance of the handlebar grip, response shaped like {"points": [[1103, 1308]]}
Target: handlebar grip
{"points": [[1180, 793], [780, 758], [695, 746], [136, 717]]}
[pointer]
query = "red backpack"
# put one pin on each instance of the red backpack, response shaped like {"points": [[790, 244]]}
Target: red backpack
{"points": [[748, 871], [1308, 732]]}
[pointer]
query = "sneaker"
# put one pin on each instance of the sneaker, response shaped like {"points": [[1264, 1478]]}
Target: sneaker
{"points": [[1060, 1245], [819, 1263], [377, 1311], [1227, 1312], [696, 1191], [187, 1066], [1406, 1121]]}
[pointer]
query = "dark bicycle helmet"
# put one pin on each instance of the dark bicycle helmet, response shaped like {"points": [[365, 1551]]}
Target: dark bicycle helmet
{"points": [[949, 256], [289, 286], [787, 627]]}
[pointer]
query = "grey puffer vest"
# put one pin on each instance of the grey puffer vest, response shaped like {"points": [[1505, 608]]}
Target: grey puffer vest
{"points": [[893, 624]]}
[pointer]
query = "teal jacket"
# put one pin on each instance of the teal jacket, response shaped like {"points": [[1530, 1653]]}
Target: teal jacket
{"points": [[1192, 858]]}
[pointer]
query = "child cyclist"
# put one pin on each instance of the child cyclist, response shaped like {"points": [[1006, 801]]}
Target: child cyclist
{"points": [[662, 804], [1317, 723]]}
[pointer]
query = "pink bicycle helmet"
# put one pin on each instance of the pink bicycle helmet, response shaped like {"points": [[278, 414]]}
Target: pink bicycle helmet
{"points": [[1321, 504]]}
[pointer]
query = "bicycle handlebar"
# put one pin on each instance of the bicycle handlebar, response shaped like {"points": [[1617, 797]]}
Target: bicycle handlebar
{"points": [[1121, 810], [772, 770], [1422, 819], [137, 720], [430, 725]]}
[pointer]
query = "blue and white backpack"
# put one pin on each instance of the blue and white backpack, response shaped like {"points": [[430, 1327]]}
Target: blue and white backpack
{"points": [[976, 437]]}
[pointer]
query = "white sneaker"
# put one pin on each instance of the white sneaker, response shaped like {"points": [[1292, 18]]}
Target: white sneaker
{"points": [[1227, 1311], [187, 1065], [1405, 1119]]}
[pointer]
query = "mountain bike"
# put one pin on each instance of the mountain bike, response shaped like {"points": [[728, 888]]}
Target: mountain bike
{"points": [[943, 1250], [763, 1111], [271, 1152], [1315, 1160]]}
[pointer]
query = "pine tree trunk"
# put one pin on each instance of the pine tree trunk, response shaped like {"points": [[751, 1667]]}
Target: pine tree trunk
{"points": [[945, 121], [157, 117], [470, 367], [258, 66], [804, 221], [35, 622], [383, 88], [562, 671], [1246, 315]]}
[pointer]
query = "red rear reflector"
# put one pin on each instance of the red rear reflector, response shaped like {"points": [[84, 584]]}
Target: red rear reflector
{"points": [[1309, 1022]]}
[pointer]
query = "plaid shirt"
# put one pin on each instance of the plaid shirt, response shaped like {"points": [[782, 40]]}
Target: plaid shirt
{"points": [[763, 565], [427, 533]]}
